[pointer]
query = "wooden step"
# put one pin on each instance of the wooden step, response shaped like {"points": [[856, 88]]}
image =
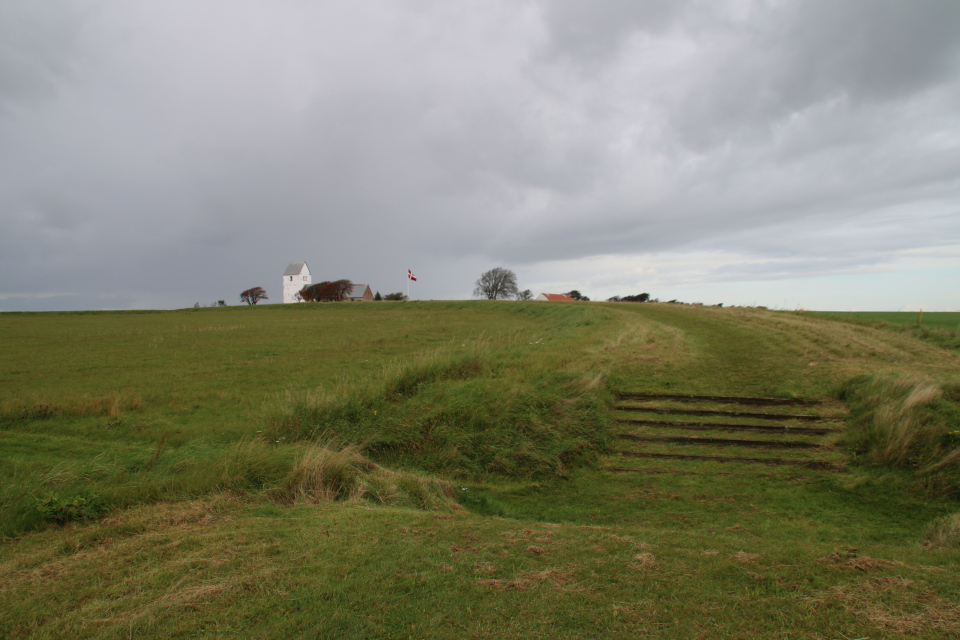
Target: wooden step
{"points": [[717, 412], [811, 464], [720, 399], [729, 442], [721, 426]]}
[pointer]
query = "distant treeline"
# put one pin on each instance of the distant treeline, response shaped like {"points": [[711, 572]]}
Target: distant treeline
{"points": [[640, 297]]}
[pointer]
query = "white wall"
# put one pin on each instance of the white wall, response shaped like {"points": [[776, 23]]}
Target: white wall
{"points": [[293, 284]]}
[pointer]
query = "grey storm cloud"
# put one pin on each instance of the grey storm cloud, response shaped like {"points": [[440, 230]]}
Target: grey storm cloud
{"points": [[154, 154]]}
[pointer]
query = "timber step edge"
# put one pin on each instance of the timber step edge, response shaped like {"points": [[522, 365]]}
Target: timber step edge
{"points": [[810, 464], [727, 442], [722, 426], [723, 399]]}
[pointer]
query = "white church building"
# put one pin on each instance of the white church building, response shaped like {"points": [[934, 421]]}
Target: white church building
{"points": [[295, 278]]}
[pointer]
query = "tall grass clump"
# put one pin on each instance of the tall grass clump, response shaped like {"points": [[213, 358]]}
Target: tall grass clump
{"points": [[944, 533], [327, 473], [458, 414], [905, 422]]}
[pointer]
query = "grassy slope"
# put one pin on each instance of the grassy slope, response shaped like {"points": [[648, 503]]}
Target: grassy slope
{"points": [[683, 550]]}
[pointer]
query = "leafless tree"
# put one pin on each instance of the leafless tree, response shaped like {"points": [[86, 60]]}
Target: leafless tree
{"points": [[253, 296], [496, 284], [526, 294]]}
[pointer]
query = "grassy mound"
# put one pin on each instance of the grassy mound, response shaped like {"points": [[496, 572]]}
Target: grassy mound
{"points": [[458, 414]]}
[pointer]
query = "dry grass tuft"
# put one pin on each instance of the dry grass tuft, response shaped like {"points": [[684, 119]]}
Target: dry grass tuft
{"points": [[903, 421], [325, 473], [944, 533]]}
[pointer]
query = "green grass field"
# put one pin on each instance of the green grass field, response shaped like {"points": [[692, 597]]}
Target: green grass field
{"points": [[938, 327], [946, 320], [450, 470]]}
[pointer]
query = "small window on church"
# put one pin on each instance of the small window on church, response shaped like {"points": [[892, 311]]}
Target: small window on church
{"points": [[304, 278], [291, 278]]}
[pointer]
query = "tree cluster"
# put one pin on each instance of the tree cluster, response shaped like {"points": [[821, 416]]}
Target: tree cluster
{"points": [[576, 295], [399, 295], [254, 295], [640, 297], [327, 291]]}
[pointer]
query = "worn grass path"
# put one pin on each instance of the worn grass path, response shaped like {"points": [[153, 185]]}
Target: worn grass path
{"points": [[678, 550]]}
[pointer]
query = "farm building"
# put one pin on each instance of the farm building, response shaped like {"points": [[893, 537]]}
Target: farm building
{"points": [[554, 297], [296, 277], [360, 292]]}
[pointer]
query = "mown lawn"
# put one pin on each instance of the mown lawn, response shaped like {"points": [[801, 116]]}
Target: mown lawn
{"points": [[674, 549]]}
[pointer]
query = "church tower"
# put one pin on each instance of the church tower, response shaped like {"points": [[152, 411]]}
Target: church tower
{"points": [[295, 278]]}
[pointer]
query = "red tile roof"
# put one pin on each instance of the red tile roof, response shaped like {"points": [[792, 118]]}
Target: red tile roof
{"points": [[556, 297]]}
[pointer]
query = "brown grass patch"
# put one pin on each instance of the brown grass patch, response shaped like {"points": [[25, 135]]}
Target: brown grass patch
{"points": [[645, 560], [742, 530], [848, 559], [745, 558], [524, 580], [908, 612]]}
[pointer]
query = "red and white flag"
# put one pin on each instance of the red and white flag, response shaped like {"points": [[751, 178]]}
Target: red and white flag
{"points": [[411, 276]]}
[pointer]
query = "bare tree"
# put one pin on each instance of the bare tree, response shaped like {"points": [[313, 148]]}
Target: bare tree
{"points": [[498, 283], [526, 294], [254, 295]]}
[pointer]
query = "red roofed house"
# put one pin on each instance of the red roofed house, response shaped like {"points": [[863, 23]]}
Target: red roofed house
{"points": [[554, 297]]}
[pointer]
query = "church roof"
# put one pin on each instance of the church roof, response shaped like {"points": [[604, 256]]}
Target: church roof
{"points": [[358, 290], [294, 268]]}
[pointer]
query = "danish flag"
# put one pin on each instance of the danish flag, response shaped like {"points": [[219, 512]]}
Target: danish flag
{"points": [[411, 276]]}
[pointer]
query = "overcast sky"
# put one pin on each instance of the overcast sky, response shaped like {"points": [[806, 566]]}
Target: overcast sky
{"points": [[790, 154]]}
